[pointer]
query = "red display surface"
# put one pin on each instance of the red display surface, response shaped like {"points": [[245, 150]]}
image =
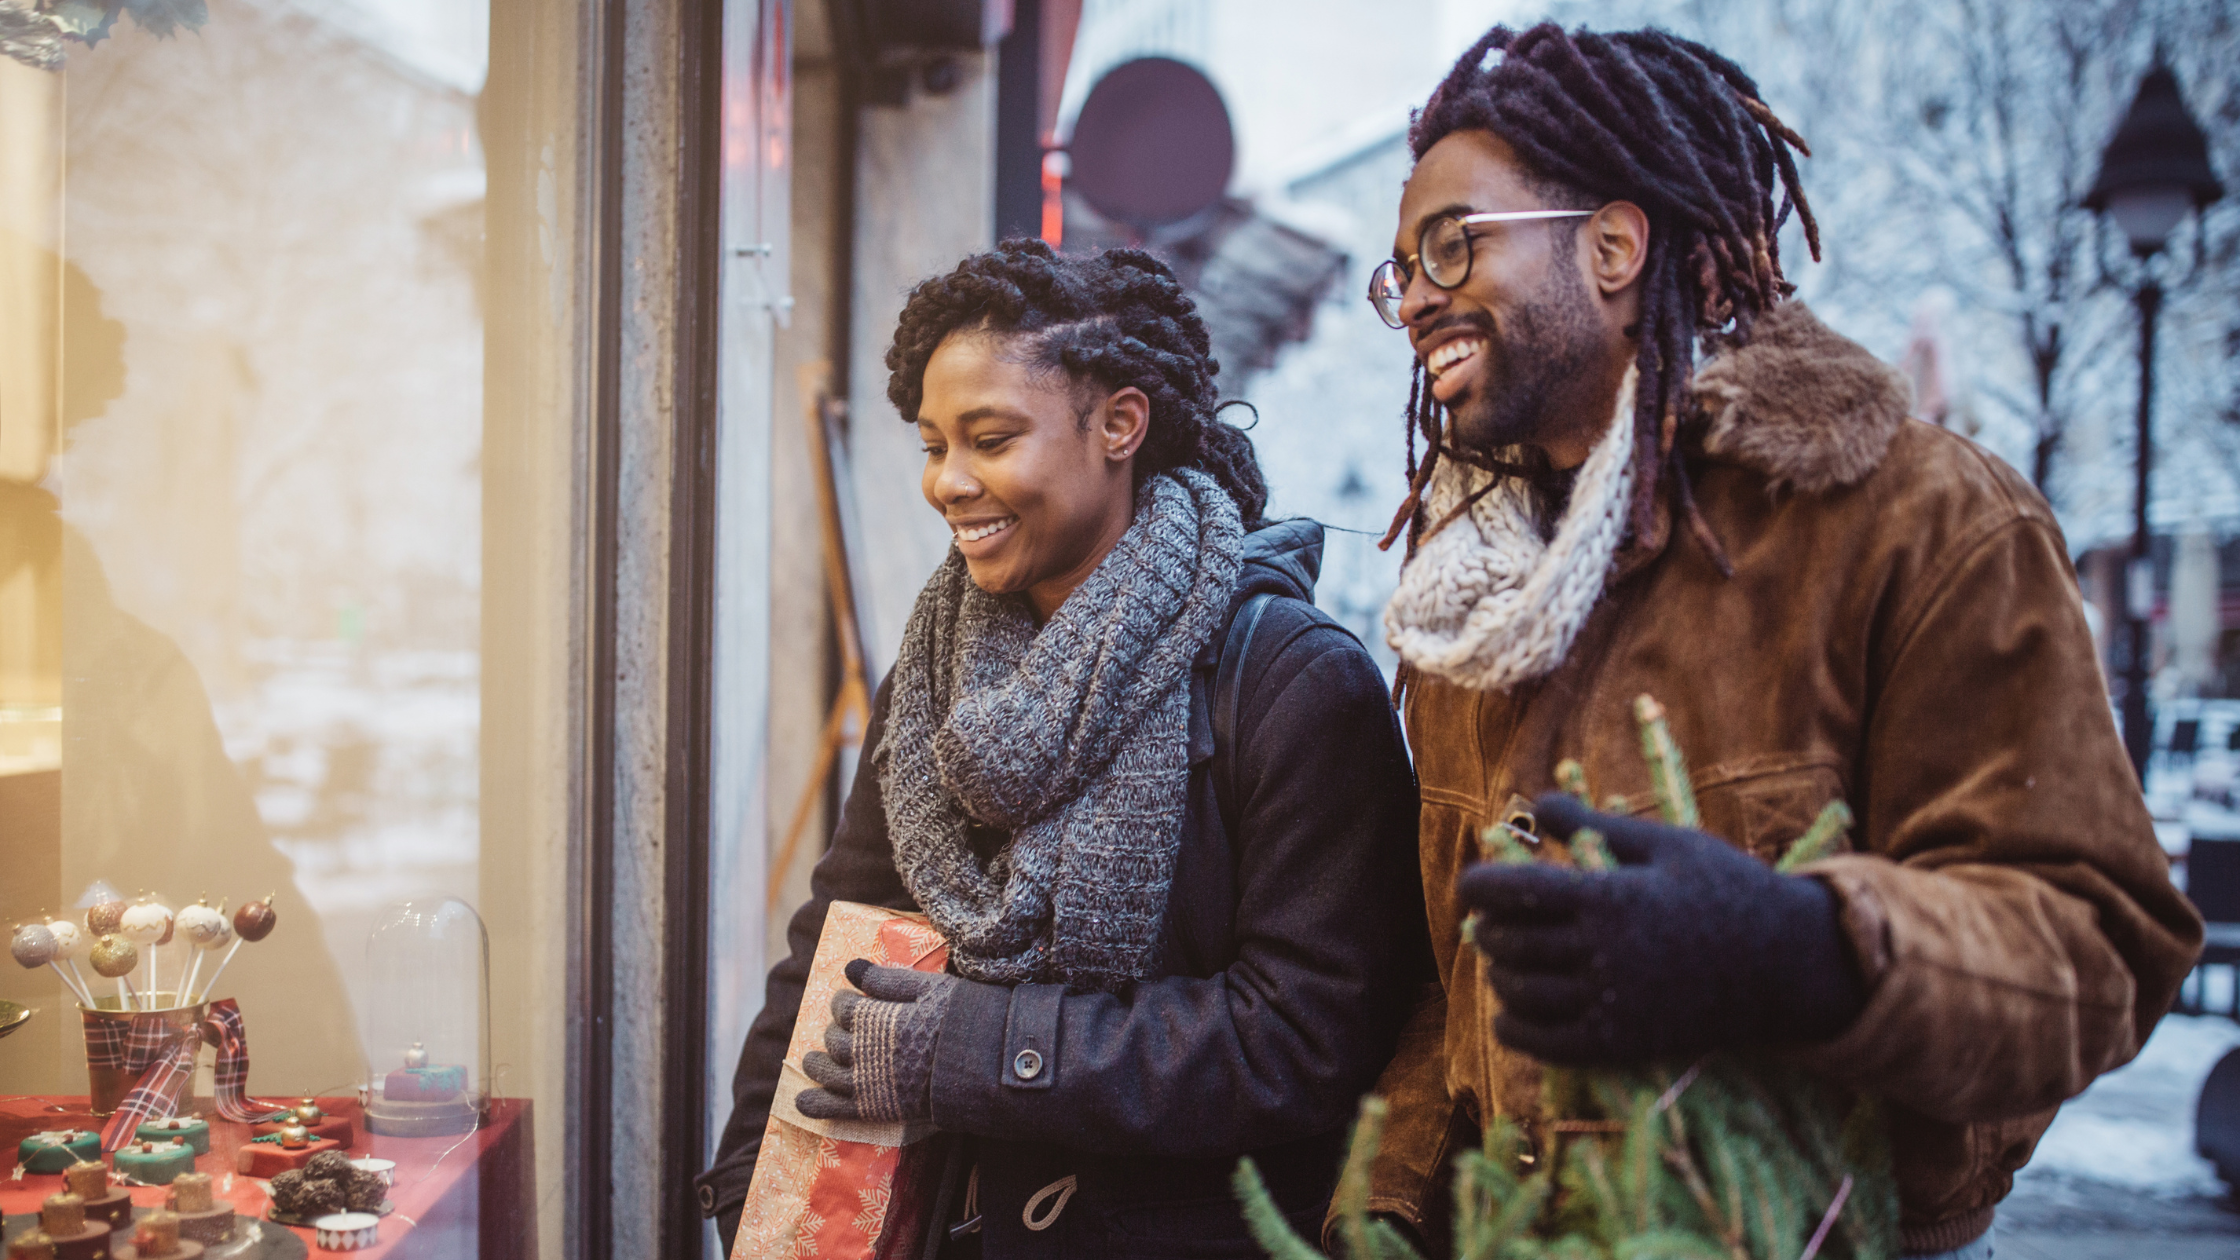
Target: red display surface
{"points": [[465, 1197]]}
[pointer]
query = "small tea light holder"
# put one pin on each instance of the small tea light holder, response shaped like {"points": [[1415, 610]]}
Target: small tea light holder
{"points": [[386, 1169], [347, 1231]]}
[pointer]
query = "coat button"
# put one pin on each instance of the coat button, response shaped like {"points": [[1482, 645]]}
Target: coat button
{"points": [[1027, 1065]]}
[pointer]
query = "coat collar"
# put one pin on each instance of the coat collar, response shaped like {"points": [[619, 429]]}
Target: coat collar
{"points": [[1802, 405], [1810, 409]]}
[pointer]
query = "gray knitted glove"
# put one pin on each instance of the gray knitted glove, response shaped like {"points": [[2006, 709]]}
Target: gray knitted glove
{"points": [[877, 1063]]}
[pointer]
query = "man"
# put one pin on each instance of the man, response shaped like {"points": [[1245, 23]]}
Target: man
{"points": [[1833, 602]]}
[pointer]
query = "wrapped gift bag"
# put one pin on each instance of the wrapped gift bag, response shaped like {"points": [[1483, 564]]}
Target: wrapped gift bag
{"points": [[842, 1189]]}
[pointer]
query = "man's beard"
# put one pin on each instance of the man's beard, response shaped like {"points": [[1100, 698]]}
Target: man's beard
{"points": [[1539, 364]]}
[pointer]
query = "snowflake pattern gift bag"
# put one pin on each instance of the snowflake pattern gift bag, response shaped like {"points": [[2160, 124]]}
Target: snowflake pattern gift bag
{"points": [[842, 1189]]}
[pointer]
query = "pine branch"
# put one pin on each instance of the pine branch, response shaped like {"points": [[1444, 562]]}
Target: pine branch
{"points": [[1668, 771], [1819, 840], [1390, 1244], [1590, 851], [1669, 1245], [1572, 778], [1352, 1197], [1744, 1157], [1266, 1221]]}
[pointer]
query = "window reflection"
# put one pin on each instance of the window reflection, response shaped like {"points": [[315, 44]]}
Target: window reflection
{"points": [[267, 481], [241, 388]]}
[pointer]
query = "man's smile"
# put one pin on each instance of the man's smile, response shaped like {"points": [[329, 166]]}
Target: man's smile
{"points": [[1455, 366]]}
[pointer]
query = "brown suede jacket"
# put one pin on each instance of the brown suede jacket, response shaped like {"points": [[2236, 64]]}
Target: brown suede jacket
{"points": [[1902, 631]]}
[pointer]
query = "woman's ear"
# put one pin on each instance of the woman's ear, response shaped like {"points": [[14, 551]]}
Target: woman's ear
{"points": [[1123, 422]]}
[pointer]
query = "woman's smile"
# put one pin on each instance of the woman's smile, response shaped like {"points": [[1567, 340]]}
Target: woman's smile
{"points": [[979, 539]]}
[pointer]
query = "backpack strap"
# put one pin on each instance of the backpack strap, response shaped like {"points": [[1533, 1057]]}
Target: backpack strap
{"points": [[1228, 692]]}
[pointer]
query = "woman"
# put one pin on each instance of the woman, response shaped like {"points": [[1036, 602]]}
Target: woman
{"points": [[1167, 827]]}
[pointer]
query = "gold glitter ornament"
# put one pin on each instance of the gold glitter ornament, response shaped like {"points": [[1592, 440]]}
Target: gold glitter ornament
{"points": [[113, 956]]}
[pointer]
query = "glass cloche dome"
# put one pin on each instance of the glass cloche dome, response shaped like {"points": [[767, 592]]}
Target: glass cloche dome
{"points": [[429, 1021]]}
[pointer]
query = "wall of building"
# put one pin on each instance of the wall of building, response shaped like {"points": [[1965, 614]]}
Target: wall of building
{"points": [[925, 198]]}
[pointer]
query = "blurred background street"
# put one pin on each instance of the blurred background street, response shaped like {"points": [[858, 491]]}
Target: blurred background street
{"points": [[2117, 1174]]}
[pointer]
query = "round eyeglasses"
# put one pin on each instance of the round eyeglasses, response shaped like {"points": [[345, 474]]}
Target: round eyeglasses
{"points": [[1446, 251]]}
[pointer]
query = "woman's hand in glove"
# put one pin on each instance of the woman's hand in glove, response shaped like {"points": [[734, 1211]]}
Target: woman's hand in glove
{"points": [[1689, 945], [877, 1063]]}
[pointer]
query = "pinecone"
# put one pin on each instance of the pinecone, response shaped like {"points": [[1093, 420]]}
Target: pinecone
{"points": [[299, 1194], [364, 1191]]}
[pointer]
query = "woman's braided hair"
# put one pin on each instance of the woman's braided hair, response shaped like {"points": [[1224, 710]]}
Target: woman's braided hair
{"points": [[1117, 319], [1675, 128]]}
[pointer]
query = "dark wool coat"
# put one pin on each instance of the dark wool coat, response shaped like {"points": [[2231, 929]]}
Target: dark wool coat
{"points": [[1294, 943]]}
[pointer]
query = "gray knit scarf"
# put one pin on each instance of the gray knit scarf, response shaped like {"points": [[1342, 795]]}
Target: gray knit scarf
{"points": [[1074, 739]]}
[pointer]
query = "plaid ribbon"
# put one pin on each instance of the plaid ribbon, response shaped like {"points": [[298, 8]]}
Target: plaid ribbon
{"points": [[164, 1056]]}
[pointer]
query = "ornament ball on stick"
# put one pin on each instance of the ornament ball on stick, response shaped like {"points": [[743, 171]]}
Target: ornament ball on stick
{"points": [[203, 929], [34, 945], [70, 944], [252, 922], [113, 956], [105, 918], [147, 924]]}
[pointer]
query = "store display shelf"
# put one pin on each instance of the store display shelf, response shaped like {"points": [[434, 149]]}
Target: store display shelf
{"points": [[471, 1191]]}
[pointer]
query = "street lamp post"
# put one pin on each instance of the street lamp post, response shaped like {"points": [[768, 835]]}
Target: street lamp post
{"points": [[2153, 172]]}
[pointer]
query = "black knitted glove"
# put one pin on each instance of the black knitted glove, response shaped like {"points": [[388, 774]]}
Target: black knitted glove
{"points": [[877, 1063], [1689, 945]]}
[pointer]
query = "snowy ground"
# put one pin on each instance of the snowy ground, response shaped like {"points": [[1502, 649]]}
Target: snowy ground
{"points": [[2117, 1175]]}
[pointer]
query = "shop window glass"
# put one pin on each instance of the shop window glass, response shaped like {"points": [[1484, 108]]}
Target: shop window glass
{"points": [[289, 309]]}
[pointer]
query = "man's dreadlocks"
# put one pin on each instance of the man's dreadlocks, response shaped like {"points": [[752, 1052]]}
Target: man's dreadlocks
{"points": [[1675, 128], [1117, 319]]}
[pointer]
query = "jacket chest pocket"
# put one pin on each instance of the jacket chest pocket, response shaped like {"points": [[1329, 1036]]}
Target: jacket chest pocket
{"points": [[1766, 813]]}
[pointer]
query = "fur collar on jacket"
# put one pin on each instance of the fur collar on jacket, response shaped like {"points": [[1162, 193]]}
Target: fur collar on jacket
{"points": [[1802, 404]]}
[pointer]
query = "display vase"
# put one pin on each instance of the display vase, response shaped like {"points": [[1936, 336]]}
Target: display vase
{"points": [[846, 1189], [144, 1065], [110, 1075]]}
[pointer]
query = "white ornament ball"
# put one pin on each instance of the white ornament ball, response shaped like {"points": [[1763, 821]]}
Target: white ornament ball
{"points": [[203, 927], [145, 924], [70, 940]]}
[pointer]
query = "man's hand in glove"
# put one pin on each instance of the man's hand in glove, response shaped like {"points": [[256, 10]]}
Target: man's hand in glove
{"points": [[877, 1063], [1689, 945]]}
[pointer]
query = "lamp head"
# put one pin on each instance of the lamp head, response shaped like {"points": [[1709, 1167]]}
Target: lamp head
{"points": [[2156, 166]]}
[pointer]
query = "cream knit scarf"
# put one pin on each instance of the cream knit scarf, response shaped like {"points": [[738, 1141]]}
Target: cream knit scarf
{"points": [[1486, 602]]}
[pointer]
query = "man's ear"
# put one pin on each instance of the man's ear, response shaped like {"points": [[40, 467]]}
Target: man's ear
{"points": [[1617, 244], [1123, 421]]}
